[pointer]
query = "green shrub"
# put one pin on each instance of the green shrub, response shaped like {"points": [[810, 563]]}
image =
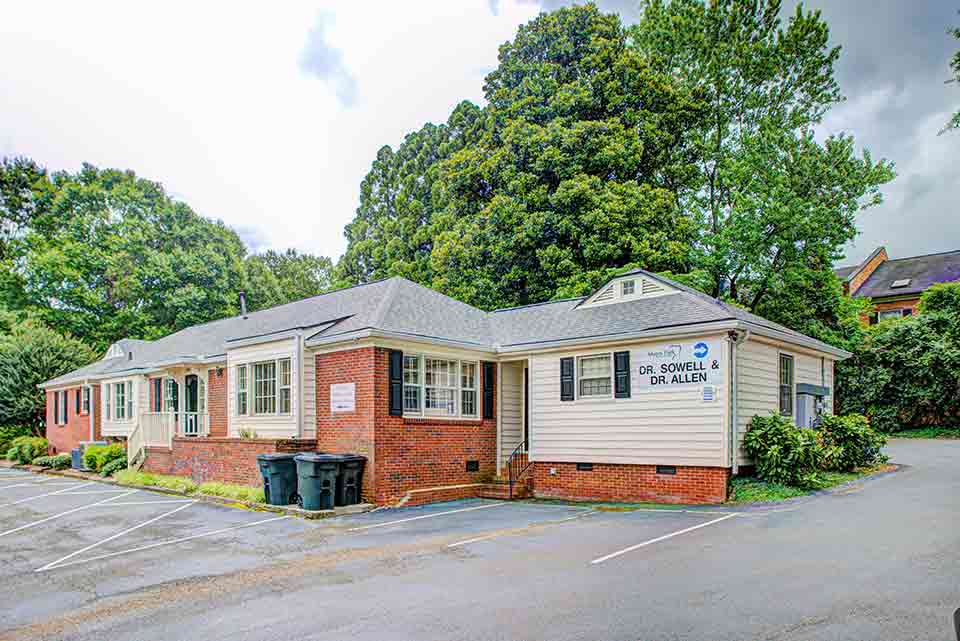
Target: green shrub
{"points": [[783, 453], [58, 462], [857, 444], [27, 448], [96, 456], [238, 492], [10, 432], [176, 483], [114, 466]]}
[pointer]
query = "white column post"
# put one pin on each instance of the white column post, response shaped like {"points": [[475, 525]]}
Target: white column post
{"points": [[499, 409]]}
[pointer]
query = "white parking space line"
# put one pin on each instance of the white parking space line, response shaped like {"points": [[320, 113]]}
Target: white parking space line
{"points": [[57, 516], [29, 481], [424, 516], [114, 536], [40, 496], [151, 546], [86, 492], [614, 555], [487, 537], [160, 502]]}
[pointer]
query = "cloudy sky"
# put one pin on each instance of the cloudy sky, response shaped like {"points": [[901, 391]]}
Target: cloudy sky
{"points": [[267, 115]]}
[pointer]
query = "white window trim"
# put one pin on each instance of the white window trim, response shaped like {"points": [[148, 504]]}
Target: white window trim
{"points": [[129, 405], [63, 410], [623, 287], [889, 314], [245, 391], [459, 389], [793, 384], [577, 377], [86, 398], [252, 387]]}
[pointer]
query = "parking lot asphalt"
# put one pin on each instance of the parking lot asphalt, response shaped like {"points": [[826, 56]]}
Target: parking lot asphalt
{"points": [[878, 560]]}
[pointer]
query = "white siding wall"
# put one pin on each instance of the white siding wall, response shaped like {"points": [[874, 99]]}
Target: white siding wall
{"points": [[282, 426], [511, 408], [109, 427], [309, 395], [671, 427], [758, 382]]}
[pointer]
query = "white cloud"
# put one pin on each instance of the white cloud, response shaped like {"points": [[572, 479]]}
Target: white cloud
{"points": [[325, 62]]}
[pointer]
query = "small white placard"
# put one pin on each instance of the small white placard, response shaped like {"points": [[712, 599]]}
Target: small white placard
{"points": [[343, 397]]}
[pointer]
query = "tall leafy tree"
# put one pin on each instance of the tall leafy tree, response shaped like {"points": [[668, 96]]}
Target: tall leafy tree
{"points": [[773, 200], [391, 233], [581, 143], [276, 277], [112, 255], [954, 122], [29, 355]]}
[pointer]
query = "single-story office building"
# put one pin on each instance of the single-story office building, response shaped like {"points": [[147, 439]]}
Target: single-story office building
{"points": [[641, 391]]}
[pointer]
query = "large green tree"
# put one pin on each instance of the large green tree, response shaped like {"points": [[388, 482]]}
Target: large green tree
{"points": [[274, 278], [773, 199], [31, 354], [391, 234], [581, 143], [110, 255]]}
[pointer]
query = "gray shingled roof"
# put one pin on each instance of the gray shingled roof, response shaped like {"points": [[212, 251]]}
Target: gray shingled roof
{"points": [[399, 306], [923, 271], [843, 273]]}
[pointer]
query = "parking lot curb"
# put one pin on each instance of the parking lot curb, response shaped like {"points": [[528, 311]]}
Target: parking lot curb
{"points": [[291, 510]]}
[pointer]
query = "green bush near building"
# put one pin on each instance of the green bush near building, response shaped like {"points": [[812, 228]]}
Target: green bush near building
{"points": [[96, 457], [24, 449], [58, 462]]}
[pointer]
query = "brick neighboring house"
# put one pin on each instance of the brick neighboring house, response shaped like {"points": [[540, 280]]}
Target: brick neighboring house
{"points": [[895, 286], [640, 391]]}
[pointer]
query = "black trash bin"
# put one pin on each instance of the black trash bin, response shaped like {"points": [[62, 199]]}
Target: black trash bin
{"points": [[317, 478], [279, 473], [350, 482]]}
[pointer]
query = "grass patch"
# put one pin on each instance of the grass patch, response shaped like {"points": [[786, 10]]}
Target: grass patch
{"points": [[176, 483], [929, 432], [752, 490], [187, 486], [236, 492]]}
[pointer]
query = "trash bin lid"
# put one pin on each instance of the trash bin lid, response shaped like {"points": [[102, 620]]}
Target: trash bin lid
{"points": [[351, 458], [319, 457], [275, 456]]}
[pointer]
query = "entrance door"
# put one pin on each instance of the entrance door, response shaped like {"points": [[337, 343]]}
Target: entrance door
{"points": [[191, 401]]}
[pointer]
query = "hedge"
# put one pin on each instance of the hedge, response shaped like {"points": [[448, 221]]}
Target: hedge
{"points": [[58, 462], [96, 457], [24, 449]]}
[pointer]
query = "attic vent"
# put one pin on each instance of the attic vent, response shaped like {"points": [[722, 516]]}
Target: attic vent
{"points": [[650, 287], [900, 282], [605, 295], [709, 393]]}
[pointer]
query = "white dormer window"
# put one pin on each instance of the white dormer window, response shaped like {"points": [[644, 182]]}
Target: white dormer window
{"points": [[628, 287], [902, 282]]}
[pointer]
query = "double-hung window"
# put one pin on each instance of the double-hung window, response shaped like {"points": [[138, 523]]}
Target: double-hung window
{"points": [[62, 407], [272, 387], [171, 395], [119, 401], [85, 404], [786, 385], [595, 376], [434, 386], [241, 390]]}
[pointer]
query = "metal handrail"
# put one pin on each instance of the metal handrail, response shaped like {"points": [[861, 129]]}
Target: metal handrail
{"points": [[517, 464]]}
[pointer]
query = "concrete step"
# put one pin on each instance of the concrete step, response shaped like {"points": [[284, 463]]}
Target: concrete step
{"points": [[501, 491]]}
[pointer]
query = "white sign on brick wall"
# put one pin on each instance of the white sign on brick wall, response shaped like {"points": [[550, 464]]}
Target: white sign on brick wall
{"points": [[343, 397]]}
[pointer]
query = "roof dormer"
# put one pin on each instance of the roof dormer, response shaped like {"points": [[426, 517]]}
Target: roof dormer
{"points": [[628, 287]]}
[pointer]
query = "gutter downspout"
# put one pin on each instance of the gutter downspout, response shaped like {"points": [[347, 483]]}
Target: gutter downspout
{"points": [[499, 407], [736, 339], [89, 388], [300, 384]]}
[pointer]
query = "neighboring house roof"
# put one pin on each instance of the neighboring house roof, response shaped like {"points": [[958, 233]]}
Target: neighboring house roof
{"points": [[846, 273], [919, 272], [399, 307]]}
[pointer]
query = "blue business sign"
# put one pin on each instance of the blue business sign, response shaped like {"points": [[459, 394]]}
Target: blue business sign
{"points": [[700, 350]]}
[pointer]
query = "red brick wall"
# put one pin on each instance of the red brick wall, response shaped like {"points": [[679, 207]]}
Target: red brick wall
{"points": [[608, 482], [229, 460], [402, 453], [63, 438], [217, 401], [348, 432]]}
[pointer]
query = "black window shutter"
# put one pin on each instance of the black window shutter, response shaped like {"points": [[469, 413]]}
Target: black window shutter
{"points": [[621, 374], [396, 382], [566, 379], [56, 407], [488, 382], [78, 400]]}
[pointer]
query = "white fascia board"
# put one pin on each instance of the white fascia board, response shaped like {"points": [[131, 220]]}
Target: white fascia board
{"points": [[803, 341], [140, 370], [687, 330], [361, 334]]}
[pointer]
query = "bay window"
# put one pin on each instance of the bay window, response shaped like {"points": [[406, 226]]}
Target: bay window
{"points": [[272, 383], [594, 374], [434, 386]]}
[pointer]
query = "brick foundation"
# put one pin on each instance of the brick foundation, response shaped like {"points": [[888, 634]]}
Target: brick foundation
{"points": [[626, 483], [228, 460]]}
